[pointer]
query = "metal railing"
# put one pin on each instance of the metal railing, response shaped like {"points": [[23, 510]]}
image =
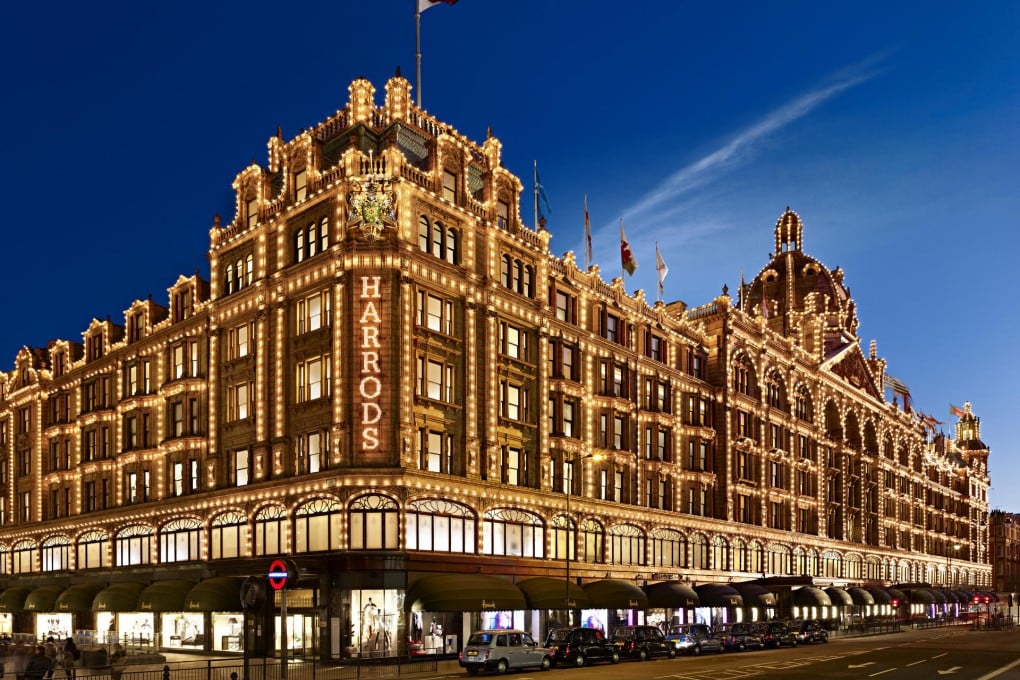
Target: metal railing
{"points": [[268, 669]]}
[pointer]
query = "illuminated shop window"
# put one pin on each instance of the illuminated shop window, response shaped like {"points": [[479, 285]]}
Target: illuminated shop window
{"points": [[720, 554], [440, 526], [179, 540], [563, 538], [593, 541], [626, 544], [23, 554]]}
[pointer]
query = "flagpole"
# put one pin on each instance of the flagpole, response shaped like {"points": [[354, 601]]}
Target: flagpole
{"points": [[535, 185], [417, 49], [622, 272]]}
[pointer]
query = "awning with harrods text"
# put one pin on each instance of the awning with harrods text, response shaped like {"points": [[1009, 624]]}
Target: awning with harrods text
{"points": [[860, 596], [463, 593], [810, 596], [13, 599], [118, 597], [615, 593], [43, 599], [880, 595], [544, 592], [77, 598], [755, 595], [839, 597], [718, 595], [217, 594], [671, 595], [164, 596]]}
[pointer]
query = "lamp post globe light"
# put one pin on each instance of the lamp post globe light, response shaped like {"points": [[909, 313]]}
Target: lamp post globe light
{"points": [[568, 482], [949, 566]]}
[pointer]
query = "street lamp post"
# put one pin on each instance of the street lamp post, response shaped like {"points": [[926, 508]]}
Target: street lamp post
{"points": [[572, 538], [949, 565]]}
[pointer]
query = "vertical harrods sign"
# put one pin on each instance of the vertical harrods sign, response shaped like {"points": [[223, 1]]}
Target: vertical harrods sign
{"points": [[373, 357]]}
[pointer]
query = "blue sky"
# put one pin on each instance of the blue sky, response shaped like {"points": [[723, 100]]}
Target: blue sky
{"points": [[891, 128]]}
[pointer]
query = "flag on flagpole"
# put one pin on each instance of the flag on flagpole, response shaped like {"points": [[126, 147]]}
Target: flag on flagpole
{"points": [[956, 411], [540, 191], [429, 4], [587, 235], [764, 304], [660, 268], [627, 259]]}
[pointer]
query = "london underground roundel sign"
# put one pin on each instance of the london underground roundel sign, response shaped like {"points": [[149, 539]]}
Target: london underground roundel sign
{"points": [[279, 572]]}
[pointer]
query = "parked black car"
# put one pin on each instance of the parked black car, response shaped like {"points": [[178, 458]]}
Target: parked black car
{"points": [[642, 642], [741, 636], [810, 632], [776, 634], [695, 638], [580, 646]]}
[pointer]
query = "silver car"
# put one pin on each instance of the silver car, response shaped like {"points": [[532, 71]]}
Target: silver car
{"points": [[501, 650]]}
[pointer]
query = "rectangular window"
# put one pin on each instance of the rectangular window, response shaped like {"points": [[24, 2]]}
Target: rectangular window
{"points": [[657, 348], [449, 186], [177, 418], [513, 341], [569, 409], [314, 312], [252, 212], [619, 434], [300, 185], [514, 401], [312, 452], [239, 340], [502, 214], [313, 378], [513, 466], [435, 313], [238, 404], [240, 467], [566, 306], [612, 330], [177, 472]]}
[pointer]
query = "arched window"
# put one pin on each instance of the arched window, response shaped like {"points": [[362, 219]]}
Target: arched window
{"points": [[317, 526], [757, 554], [56, 553], [228, 535], [5, 554], [780, 559], [228, 277], [812, 562], [180, 540], [833, 426], [508, 531], [854, 567], [374, 523], [740, 558], [92, 552], [720, 553], [668, 548], [440, 526], [271, 531], [743, 376], [803, 409], [133, 545], [593, 538], [563, 538], [249, 269], [424, 229], [505, 271], [831, 564], [626, 544], [452, 245], [311, 239], [528, 281], [24, 557], [776, 391], [699, 552]]}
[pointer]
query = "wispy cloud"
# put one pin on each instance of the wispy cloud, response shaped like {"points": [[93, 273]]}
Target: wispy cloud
{"points": [[710, 167]]}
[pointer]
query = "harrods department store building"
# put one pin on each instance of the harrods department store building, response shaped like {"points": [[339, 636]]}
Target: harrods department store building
{"points": [[389, 378]]}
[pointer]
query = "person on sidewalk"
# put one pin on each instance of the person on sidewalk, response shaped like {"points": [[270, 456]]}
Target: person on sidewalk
{"points": [[70, 658], [118, 659], [38, 664]]}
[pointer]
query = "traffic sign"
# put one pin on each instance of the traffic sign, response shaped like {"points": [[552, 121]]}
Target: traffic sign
{"points": [[282, 574]]}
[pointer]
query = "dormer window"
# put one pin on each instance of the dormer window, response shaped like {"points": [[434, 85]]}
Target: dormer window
{"points": [[136, 327], [252, 212], [94, 346], [181, 304], [449, 186]]}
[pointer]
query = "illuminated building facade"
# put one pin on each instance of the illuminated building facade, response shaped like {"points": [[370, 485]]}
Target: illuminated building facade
{"points": [[389, 378], [1005, 537]]}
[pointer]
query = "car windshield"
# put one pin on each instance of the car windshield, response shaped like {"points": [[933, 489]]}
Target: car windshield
{"points": [[480, 639]]}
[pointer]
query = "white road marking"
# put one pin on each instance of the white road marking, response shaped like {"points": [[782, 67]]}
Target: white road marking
{"points": [[887, 670]]}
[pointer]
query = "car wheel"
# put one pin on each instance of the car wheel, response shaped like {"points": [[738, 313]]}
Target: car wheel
{"points": [[741, 646], [579, 660], [696, 650], [794, 643], [546, 663], [615, 657], [502, 666], [672, 652], [642, 655]]}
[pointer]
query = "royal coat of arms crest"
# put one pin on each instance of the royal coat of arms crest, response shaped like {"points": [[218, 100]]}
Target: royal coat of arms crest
{"points": [[372, 203]]}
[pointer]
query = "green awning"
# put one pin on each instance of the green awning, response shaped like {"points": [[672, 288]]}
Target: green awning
{"points": [[77, 598], [219, 594], [13, 599], [880, 595], [921, 596], [718, 595], [940, 597], [809, 596], [614, 593], [897, 595], [164, 596], [860, 596], [43, 599], [463, 593], [543, 592], [755, 595], [118, 597], [839, 597], [672, 595]]}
